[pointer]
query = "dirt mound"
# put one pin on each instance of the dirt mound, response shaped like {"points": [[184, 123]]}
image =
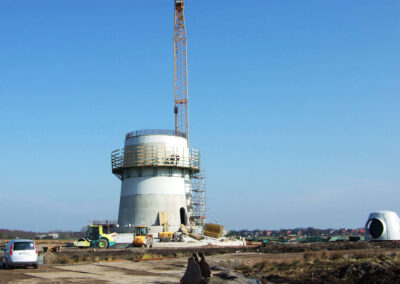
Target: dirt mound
{"points": [[299, 247], [337, 272], [370, 272]]}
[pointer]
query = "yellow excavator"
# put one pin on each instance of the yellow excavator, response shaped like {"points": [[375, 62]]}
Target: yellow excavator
{"points": [[142, 238]]}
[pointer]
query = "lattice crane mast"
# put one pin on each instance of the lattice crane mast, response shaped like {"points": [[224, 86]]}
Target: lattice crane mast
{"points": [[180, 72]]}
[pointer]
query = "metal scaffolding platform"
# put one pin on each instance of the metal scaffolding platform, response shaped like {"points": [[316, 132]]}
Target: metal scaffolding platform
{"points": [[154, 156], [199, 201]]}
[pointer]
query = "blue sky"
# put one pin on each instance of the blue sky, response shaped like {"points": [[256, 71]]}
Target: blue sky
{"points": [[294, 106]]}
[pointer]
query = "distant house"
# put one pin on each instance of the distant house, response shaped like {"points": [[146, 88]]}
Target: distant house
{"points": [[48, 236], [358, 231]]}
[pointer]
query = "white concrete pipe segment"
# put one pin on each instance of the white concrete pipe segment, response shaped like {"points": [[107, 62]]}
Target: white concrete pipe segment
{"points": [[382, 226]]}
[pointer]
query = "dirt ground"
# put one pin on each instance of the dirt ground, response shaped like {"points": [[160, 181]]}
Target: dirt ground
{"points": [[298, 263], [153, 271]]}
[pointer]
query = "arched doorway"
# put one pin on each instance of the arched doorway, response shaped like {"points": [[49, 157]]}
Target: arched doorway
{"points": [[183, 216]]}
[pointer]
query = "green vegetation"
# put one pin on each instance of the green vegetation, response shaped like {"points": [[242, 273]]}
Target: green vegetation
{"points": [[366, 266]]}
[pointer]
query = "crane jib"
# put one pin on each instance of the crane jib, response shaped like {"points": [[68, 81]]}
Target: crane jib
{"points": [[181, 110]]}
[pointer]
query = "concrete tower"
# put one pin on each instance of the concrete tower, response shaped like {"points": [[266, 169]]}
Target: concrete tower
{"points": [[155, 168]]}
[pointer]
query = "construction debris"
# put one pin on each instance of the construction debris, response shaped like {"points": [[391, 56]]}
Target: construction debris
{"points": [[195, 236], [166, 236], [178, 237], [52, 249], [204, 267], [193, 273], [214, 230], [197, 270], [184, 230], [226, 275]]}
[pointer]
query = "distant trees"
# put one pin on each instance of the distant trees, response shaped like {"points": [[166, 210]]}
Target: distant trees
{"points": [[12, 234], [310, 231]]}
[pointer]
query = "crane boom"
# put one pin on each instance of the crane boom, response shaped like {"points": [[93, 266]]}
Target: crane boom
{"points": [[180, 72]]}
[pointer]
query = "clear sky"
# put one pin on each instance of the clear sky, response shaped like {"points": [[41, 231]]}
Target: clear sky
{"points": [[294, 106]]}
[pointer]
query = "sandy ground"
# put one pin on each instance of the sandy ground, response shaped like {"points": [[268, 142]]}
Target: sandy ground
{"points": [[279, 266], [157, 271], [167, 265]]}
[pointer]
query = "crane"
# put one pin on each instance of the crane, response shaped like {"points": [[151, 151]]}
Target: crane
{"points": [[180, 73]]}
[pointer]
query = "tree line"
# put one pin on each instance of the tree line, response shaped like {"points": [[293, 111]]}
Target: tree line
{"points": [[12, 234]]}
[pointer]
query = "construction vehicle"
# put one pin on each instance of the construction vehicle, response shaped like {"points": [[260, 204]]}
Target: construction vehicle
{"points": [[142, 238], [170, 237], [166, 236], [95, 237]]}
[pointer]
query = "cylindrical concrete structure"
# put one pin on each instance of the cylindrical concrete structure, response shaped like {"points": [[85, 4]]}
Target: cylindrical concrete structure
{"points": [[155, 168]]}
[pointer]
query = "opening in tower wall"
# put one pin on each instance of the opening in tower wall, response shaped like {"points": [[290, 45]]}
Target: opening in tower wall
{"points": [[183, 216]]}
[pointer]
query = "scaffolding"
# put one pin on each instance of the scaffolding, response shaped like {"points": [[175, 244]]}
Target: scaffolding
{"points": [[199, 194], [154, 156]]}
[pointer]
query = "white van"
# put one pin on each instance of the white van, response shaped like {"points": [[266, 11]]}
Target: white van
{"points": [[20, 253]]}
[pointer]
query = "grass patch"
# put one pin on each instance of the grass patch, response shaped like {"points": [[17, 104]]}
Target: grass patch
{"points": [[76, 258], [246, 269], [335, 256], [311, 256], [324, 255], [308, 255], [64, 259], [360, 255], [85, 258]]}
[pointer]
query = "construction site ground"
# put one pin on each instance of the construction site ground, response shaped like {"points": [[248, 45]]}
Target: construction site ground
{"points": [[124, 240], [361, 262]]}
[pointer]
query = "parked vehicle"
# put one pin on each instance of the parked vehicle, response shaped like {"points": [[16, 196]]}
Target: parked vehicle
{"points": [[20, 253]]}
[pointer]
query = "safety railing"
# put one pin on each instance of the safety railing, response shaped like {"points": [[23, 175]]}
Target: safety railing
{"points": [[142, 132], [155, 155]]}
